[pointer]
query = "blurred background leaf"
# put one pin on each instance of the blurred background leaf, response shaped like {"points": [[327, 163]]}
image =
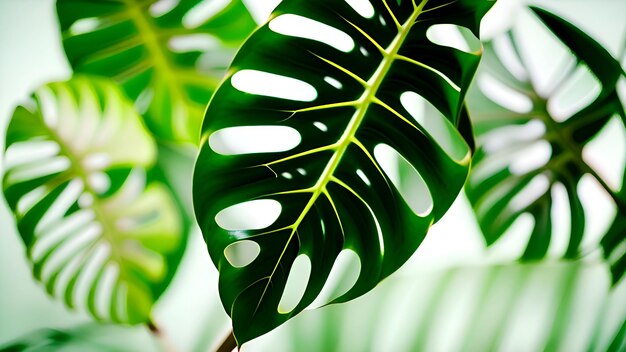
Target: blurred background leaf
{"points": [[169, 56], [542, 307], [101, 229], [190, 310], [532, 158]]}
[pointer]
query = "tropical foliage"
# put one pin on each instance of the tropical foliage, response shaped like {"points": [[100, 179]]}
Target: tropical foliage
{"points": [[332, 192], [501, 191], [316, 152]]}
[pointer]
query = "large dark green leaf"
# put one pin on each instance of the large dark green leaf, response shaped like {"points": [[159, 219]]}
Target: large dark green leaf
{"points": [[100, 228], [168, 55], [499, 193], [331, 188]]}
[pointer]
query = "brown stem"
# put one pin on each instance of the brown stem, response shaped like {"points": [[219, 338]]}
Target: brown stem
{"points": [[229, 343], [160, 336]]}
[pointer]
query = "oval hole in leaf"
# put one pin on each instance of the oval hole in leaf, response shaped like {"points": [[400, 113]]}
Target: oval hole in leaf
{"points": [[430, 119], [580, 90], [530, 158], [504, 95], [303, 27], [453, 36], [561, 221], [60, 206], [84, 25], [23, 153], [296, 284], [162, 7], [410, 183], [193, 42], [104, 291], [242, 253], [32, 171], [88, 273], [30, 199], [252, 215], [536, 188], [254, 139], [513, 242], [343, 275], [606, 153], [73, 245], [362, 7], [510, 135], [506, 52], [599, 210], [203, 11], [57, 231], [272, 85], [333, 82]]}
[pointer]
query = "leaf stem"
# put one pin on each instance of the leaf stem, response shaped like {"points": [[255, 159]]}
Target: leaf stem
{"points": [[160, 336], [229, 343]]}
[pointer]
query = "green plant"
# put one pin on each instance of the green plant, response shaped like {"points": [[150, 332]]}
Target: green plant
{"points": [[495, 186], [378, 145], [332, 191]]}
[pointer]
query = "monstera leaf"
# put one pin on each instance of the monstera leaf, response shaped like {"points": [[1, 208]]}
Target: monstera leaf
{"points": [[501, 192], [334, 104], [100, 229], [168, 55]]}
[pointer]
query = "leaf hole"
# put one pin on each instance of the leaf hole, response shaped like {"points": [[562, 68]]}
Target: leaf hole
{"points": [[506, 52], [193, 42], [409, 182], [303, 27], [251, 215], [105, 289], [73, 245], [42, 168], [23, 153], [512, 243], [599, 210], [242, 253], [580, 90], [606, 153], [453, 36], [534, 190], [435, 124], [320, 126], [561, 221], [363, 7], [61, 205], [296, 284], [504, 95], [363, 177], [56, 232], [161, 7], [88, 275], [84, 25], [273, 85], [343, 275], [203, 12], [254, 139], [531, 158], [333, 82]]}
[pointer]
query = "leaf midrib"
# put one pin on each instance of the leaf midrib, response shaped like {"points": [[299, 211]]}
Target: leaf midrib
{"points": [[348, 137], [158, 56]]}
